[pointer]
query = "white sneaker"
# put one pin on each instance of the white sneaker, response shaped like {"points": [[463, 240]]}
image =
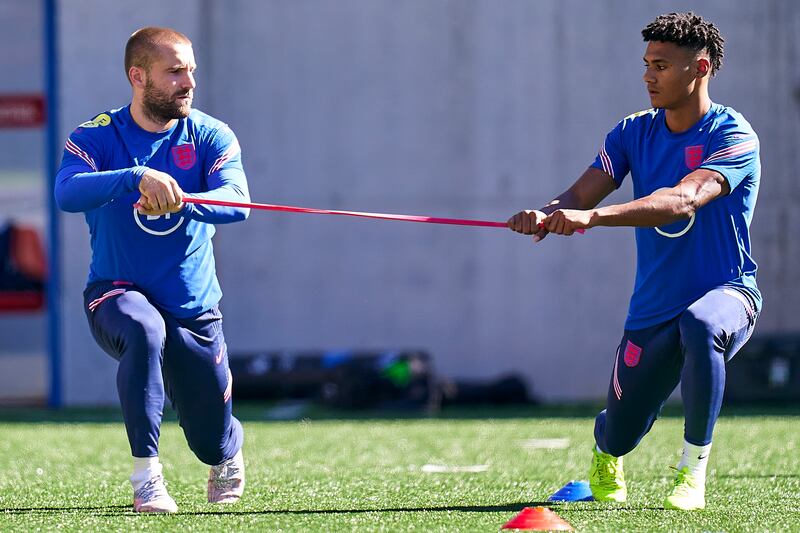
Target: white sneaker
{"points": [[226, 480], [152, 497]]}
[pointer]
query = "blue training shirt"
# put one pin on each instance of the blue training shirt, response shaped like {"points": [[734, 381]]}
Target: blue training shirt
{"points": [[680, 262], [170, 257]]}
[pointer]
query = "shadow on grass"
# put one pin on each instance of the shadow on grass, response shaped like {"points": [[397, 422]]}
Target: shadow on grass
{"points": [[115, 510], [261, 411], [625, 508], [758, 476], [105, 509]]}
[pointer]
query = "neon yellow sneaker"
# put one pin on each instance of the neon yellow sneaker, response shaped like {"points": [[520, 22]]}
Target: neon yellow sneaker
{"points": [[606, 478], [688, 494]]}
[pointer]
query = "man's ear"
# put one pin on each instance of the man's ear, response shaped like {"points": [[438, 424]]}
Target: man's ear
{"points": [[137, 77], [703, 67]]}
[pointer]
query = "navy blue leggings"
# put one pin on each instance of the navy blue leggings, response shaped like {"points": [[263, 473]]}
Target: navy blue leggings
{"points": [[159, 355], [691, 348]]}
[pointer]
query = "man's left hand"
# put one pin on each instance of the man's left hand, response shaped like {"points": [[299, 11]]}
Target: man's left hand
{"points": [[568, 221], [143, 207]]}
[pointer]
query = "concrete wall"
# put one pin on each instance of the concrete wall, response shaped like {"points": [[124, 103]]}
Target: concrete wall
{"points": [[472, 109], [23, 360], [92, 39]]}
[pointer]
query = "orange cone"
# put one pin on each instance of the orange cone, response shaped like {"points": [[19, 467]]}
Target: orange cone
{"points": [[537, 519]]}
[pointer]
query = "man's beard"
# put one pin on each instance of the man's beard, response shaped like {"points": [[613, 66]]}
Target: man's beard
{"points": [[162, 107]]}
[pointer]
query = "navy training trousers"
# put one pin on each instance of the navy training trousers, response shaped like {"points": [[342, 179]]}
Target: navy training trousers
{"points": [[692, 349], [162, 356]]}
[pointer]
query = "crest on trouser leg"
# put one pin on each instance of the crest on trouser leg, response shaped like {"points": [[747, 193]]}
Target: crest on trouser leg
{"points": [[633, 354]]}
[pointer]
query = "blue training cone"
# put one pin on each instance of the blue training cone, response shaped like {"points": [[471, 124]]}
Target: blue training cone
{"points": [[574, 491]]}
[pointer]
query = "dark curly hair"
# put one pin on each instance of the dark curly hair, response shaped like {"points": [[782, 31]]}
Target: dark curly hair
{"points": [[688, 30]]}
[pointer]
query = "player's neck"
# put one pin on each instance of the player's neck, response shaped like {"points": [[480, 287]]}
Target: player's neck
{"points": [[682, 117], [146, 122]]}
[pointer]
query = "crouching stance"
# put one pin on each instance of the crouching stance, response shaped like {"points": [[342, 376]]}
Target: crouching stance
{"points": [[152, 295], [696, 171]]}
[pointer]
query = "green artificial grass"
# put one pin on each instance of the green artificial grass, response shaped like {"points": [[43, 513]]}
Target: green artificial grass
{"points": [[331, 471]]}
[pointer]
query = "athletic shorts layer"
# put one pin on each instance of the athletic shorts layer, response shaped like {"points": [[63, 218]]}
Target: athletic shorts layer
{"points": [[692, 348], [162, 357]]}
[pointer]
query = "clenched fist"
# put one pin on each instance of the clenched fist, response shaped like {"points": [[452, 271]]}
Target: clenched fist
{"points": [[160, 193]]}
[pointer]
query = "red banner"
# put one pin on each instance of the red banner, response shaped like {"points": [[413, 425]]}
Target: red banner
{"points": [[22, 110]]}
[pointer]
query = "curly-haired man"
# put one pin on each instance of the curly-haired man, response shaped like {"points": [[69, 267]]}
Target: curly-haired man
{"points": [[695, 169]]}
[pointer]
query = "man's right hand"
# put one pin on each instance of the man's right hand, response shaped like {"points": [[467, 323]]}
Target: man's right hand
{"points": [[160, 192], [529, 222]]}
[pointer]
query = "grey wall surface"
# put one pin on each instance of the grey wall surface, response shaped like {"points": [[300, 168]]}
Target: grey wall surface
{"points": [[22, 196], [92, 40], [469, 109]]}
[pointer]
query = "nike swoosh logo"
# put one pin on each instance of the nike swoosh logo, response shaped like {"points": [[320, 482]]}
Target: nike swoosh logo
{"points": [[218, 358], [701, 457]]}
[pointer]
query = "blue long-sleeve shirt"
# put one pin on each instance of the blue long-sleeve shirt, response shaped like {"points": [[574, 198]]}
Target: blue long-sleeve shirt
{"points": [[170, 257]]}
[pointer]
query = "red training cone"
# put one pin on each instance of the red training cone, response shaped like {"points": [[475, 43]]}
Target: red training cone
{"points": [[537, 519]]}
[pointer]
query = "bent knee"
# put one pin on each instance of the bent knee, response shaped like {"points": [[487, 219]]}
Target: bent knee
{"points": [[619, 446], [695, 328], [207, 451], [146, 332], [620, 439]]}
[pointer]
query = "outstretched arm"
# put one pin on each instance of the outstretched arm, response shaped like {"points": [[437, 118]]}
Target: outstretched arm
{"points": [[225, 180], [662, 207], [81, 185], [228, 185], [588, 191]]}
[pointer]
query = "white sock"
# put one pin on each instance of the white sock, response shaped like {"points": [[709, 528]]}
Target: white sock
{"points": [[144, 468], [696, 458]]}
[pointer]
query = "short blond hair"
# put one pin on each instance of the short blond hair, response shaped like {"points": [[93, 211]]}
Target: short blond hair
{"points": [[143, 45]]}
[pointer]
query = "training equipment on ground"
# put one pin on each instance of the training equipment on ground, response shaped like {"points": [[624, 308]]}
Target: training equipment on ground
{"points": [[574, 491], [342, 379], [538, 519]]}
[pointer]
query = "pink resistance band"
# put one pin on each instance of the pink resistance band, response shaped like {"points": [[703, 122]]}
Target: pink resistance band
{"points": [[383, 216]]}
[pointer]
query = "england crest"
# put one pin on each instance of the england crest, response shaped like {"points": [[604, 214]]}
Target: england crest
{"points": [[693, 156], [632, 354], [184, 156]]}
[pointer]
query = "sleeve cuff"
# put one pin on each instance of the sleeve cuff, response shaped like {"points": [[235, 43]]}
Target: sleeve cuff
{"points": [[136, 176], [187, 209]]}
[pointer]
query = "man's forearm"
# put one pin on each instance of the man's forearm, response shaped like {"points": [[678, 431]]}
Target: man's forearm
{"points": [[665, 206], [658, 209], [77, 190], [567, 200], [214, 214]]}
